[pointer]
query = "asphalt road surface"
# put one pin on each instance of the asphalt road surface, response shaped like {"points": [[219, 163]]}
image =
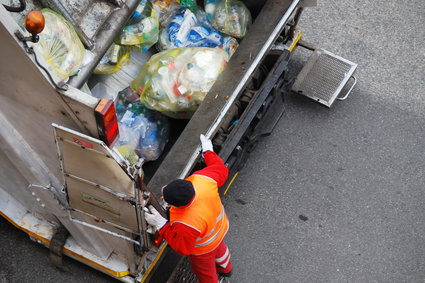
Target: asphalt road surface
{"points": [[332, 195]]}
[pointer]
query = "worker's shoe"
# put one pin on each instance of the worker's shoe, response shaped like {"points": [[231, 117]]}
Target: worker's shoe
{"points": [[224, 277], [228, 274]]}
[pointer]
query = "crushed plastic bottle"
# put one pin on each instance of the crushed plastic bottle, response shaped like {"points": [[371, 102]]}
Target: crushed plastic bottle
{"points": [[176, 81]]}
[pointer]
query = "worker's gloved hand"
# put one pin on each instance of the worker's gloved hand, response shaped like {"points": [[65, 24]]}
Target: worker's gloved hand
{"points": [[151, 229], [153, 218], [206, 144]]}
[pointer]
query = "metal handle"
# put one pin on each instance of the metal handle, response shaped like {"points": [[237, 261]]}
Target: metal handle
{"points": [[349, 91]]}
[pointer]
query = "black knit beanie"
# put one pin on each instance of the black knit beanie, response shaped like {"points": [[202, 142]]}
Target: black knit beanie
{"points": [[178, 192]]}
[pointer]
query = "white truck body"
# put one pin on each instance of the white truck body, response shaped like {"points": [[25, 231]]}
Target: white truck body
{"points": [[54, 170]]}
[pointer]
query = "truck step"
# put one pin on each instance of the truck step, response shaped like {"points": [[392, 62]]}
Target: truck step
{"points": [[324, 76]]}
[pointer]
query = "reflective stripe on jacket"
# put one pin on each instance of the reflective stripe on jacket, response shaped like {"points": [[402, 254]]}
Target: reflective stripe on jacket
{"points": [[205, 214]]}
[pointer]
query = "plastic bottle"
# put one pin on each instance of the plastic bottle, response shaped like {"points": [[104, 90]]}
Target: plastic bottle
{"points": [[136, 16]]}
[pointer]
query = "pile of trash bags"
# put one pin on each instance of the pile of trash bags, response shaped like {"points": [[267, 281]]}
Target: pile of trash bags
{"points": [[141, 32], [193, 44], [195, 47]]}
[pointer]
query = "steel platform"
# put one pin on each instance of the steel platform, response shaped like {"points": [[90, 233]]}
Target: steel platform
{"points": [[324, 76]]}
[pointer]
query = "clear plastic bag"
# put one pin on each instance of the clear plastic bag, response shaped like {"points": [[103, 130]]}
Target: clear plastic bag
{"points": [[144, 130], [177, 80], [142, 29], [60, 45], [231, 17], [154, 139], [130, 126], [165, 10], [188, 29], [114, 59]]}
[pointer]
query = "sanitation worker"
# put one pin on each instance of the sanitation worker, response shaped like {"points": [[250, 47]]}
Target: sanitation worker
{"points": [[198, 222]]}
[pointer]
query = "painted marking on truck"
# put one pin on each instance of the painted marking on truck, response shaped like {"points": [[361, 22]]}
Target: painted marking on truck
{"points": [[82, 143], [99, 203], [231, 182], [47, 241]]}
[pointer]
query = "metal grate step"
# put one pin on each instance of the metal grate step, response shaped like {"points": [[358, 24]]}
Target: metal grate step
{"points": [[324, 76]]}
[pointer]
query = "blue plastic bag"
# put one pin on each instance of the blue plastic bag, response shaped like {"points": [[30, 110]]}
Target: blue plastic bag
{"points": [[192, 29]]}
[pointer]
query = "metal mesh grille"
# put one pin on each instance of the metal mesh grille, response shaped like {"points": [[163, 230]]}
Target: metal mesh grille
{"points": [[183, 273], [325, 77]]}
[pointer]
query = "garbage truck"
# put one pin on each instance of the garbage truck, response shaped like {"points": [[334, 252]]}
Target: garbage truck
{"points": [[63, 182]]}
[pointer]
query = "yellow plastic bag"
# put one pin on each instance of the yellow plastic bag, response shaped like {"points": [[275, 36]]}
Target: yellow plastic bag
{"points": [[142, 29], [165, 10], [60, 45], [128, 153], [114, 59], [176, 81]]}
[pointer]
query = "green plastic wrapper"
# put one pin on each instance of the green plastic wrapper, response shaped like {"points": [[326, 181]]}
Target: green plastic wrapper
{"points": [[176, 81], [114, 59], [191, 4], [142, 29], [60, 45]]}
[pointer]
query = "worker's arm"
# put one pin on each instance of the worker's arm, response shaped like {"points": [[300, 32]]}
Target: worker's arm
{"points": [[215, 169], [180, 237]]}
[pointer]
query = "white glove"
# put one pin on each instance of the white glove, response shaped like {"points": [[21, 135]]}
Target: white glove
{"points": [[206, 144], [151, 230], [153, 218]]}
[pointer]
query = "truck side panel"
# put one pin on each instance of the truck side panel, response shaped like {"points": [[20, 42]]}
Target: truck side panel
{"points": [[29, 104]]}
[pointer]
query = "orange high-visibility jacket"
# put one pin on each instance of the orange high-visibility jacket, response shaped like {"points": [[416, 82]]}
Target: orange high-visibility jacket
{"points": [[205, 214]]}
